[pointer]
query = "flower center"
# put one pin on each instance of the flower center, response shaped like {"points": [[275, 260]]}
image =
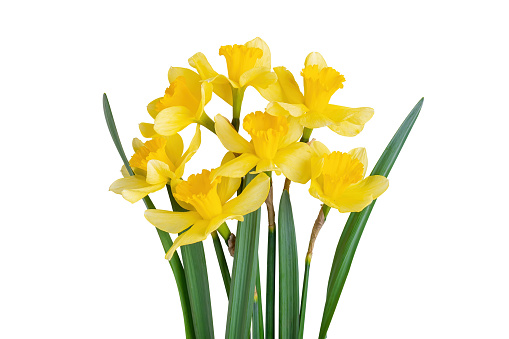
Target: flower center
{"points": [[154, 149], [201, 193], [340, 170], [266, 132], [178, 94], [320, 85], [239, 59]]}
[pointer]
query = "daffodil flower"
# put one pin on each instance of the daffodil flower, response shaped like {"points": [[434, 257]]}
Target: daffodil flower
{"points": [[182, 104], [210, 200], [248, 65], [274, 146], [337, 179], [155, 163], [312, 108]]}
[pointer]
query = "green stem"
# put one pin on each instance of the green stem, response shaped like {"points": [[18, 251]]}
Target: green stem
{"points": [[320, 220], [207, 122], [259, 309], [256, 318], [271, 267], [238, 96], [225, 232], [306, 134], [223, 266], [175, 263]]}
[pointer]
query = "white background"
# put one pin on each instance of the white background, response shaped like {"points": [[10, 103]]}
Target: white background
{"points": [[78, 261]]}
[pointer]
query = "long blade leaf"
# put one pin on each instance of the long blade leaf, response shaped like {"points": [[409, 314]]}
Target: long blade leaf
{"points": [[175, 263], [288, 271], [354, 227], [195, 267], [245, 266]]}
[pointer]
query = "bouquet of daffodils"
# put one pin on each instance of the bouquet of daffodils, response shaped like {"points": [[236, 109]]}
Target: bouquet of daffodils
{"points": [[237, 188]]}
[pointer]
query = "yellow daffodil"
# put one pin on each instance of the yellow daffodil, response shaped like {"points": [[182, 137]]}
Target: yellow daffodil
{"points": [[313, 108], [155, 163], [182, 104], [211, 207], [248, 65], [274, 146], [337, 179]]}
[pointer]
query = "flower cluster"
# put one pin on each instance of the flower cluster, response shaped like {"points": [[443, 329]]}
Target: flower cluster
{"points": [[279, 142]]}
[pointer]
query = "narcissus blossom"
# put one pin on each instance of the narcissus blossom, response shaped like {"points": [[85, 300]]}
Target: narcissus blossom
{"points": [[274, 146], [248, 65], [337, 179], [155, 163], [209, 200], [312, 108], [182, 104]]}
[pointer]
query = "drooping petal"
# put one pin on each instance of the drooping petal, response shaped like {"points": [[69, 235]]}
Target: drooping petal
{"points": [[266, 165], [134, 188], [193, 79], [189, 237], [264, 61], [147, 130], [360, 154], [259, 77], [356, 197], [315, 58], [315, 120], [217, 221], [191, 150], [174, 147], [151, 107], [290, 88], [251, 198], [319, 149], [228, 186], [294, 132], [230, 139], [158, 172], [221, 84], [348, 121], [172, 120], [284, 109], [137, 143], [294, 162], [237, 167], [171, 222]]}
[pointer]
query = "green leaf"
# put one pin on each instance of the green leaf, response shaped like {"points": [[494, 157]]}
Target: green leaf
{"points": [[175, 263], [258, 310], [354, 227], [221, 259], [195, 267], [288, 271], [245, 264]]}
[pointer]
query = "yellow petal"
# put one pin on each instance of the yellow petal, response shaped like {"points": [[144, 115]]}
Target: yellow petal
{"points": [[228, 186], [151, 108], [294, 132], [158, 172], [134, 188], [348, 121], [187, 238], [266, 165], [315, 58], [230, 139], [237, 167], [193, 80], [315, 120], [319, 149], [171, 222], [147, 130], [251, 198], [137, 143], [284, 109], [360, 154], [294, 162], [221, 84], [289, 86], [259, 77], [191, 150], [172, 120], [174, 147], [358, 196], [264, 61]]}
